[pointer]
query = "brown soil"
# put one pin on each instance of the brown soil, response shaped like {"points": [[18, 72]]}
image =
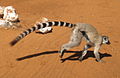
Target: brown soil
{"points": [[36, 55]]}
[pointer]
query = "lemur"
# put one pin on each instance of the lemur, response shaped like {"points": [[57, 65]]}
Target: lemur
{"points": [[80, 30]]}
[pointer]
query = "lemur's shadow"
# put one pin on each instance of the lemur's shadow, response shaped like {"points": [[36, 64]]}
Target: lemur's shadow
{"points": [[77, 55], [73, 57]]}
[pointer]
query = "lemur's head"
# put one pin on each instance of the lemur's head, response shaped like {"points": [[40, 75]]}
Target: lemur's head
{"points": [[105, 40]]}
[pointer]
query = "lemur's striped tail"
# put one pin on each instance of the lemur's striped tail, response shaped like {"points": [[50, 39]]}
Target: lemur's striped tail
{"points": [[39, 26]]}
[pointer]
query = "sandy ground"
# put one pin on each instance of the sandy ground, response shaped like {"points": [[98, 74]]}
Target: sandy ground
{"points": [[36, 55]]}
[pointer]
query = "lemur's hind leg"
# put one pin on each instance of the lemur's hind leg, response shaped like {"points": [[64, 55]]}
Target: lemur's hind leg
{"points": [[67, 46], [75, 40], [87, 46]]}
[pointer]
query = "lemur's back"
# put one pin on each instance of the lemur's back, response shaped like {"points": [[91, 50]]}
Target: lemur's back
{"points": [[90, 31]]}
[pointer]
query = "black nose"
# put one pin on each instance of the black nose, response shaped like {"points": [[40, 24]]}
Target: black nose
{"points": [[108, 43]]}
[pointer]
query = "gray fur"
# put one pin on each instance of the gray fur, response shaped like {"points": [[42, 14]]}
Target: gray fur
{"points": [[93, 40]]}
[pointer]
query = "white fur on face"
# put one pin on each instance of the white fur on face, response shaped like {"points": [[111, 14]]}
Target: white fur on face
{"points": [[105, 40]]}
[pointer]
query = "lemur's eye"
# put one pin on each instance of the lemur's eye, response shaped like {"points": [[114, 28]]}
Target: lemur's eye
{"points": [[105, 38]]}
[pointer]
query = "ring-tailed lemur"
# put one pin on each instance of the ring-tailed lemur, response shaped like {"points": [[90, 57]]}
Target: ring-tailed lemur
{"points": [[92, 36], [80, 30]]}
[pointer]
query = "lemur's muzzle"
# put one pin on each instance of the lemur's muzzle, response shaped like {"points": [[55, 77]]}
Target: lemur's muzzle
{"points": [[108, 43]]}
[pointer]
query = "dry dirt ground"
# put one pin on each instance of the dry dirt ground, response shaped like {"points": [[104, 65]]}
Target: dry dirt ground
{"points": [[36, 55]]}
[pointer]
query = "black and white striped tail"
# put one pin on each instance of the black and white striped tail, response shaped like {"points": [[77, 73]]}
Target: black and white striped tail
{"points": [[38, 26]]}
